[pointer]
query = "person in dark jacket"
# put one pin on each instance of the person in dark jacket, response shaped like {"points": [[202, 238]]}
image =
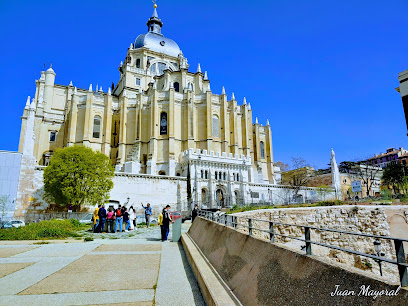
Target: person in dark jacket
{"points": [[102, 218], [166, 223], [194, 213], [126, 219]]}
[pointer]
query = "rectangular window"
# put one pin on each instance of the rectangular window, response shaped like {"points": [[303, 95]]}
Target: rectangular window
{"points": [[53, 135], [137, 82]]}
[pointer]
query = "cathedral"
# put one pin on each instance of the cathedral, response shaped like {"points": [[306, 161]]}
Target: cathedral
{"points": [[159, 121]]}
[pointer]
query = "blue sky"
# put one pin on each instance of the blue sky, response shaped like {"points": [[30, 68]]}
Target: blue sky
{"points": [[322, 72]]}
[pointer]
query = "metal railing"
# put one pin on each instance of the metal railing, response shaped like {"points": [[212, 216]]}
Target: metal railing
{"points": [[232, 221]]}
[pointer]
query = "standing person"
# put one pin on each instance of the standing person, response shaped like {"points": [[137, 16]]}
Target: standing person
{"points": [[110, 218], [148, 213], [160, 222], [96, 219], [126, 219], [194, 213], [131, 217], [102, 218], [119, 219], [166, 222]]}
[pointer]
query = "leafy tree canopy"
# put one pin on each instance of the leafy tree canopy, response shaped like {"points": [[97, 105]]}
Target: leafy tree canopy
{"points": [[78, 176], [394, 175]]}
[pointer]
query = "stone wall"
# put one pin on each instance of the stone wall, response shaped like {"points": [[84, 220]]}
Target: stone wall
{"points": [[9, 174], [375, 220], [156, 190]]}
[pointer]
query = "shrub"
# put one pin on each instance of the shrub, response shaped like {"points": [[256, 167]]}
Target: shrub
{"points": [[42, 230], [88, 239]]}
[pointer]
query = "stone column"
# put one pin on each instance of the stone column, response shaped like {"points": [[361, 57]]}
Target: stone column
{"points": [[88, 122], [107, 125], [73, 117], [122, 128], [225, 137], [209, 121], [154, 128]]}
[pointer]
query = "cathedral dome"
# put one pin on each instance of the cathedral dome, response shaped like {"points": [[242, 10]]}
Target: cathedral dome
{"points": [[157, 42], [154, 39]]}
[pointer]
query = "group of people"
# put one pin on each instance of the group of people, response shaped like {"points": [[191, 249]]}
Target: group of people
{"points": [[116, 217]]}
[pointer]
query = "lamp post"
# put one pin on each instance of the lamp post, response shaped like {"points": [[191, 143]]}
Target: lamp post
{"points": [[379, 253]]}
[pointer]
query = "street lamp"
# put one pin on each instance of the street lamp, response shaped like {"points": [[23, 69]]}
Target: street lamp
{"points": [[377, 249]]}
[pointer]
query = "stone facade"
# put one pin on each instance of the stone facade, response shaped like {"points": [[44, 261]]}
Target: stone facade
{"points": [[9, 175], [157, 110], [384, 221]]}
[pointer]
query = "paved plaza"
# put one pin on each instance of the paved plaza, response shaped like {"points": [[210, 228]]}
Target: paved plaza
{"points": [[132, 270]]}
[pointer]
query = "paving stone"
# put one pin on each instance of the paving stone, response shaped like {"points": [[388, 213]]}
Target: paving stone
{"points": [[10, 251], [101, 273], [8, 268], [128, 247]]}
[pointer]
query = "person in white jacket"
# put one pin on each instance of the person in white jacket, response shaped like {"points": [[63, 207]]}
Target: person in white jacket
{"points": [[132, 217]]}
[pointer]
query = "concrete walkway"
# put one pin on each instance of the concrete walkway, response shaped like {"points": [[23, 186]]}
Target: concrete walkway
{"points": [[136, 270]]}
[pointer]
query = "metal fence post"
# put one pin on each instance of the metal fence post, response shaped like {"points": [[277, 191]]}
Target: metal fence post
{"points": [[235, 220], [271, 232], [307, 240], [399, 250], [250, 226], [226, 219]]}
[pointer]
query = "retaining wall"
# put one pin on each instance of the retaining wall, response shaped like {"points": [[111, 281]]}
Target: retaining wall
{"points": [[261, 273]]}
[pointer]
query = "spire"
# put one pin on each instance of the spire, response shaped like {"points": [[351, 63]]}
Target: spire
{"points": [[249, 106], [198, 68], [223, 90], [70, 84], [75, 90], [205, 76], [100, 89], [90, 87], [109, 91], [154, 24], [96, 87], [27, 106], [244, 103], [131, 46], [32, 105], [267, 122], [256, 120], [208, 89], [232, 96]]}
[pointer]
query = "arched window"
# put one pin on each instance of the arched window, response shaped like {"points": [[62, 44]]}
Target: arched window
{"points": [[163, 123], [225, 176], [176, 86], [234, 176], [138, 63], [216, 175], [206, 174], [262, 149], [215, 126], [178, 174], [162, 172], [202, 174], [238, 177], [190, 86], [97, 127]]}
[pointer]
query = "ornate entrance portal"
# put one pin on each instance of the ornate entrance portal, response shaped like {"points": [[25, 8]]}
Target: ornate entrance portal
{"points": [[220, 198]]}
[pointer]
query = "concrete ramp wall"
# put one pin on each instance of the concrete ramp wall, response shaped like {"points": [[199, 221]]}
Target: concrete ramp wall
{"points": [[261, 273]]}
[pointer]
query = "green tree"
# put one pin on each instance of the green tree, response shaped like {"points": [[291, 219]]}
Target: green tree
{"points": [[78, 176], [393, 176]]}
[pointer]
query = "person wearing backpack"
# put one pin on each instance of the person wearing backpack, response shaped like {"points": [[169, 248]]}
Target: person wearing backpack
{"points": [[126, 219], [119, 219]]}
